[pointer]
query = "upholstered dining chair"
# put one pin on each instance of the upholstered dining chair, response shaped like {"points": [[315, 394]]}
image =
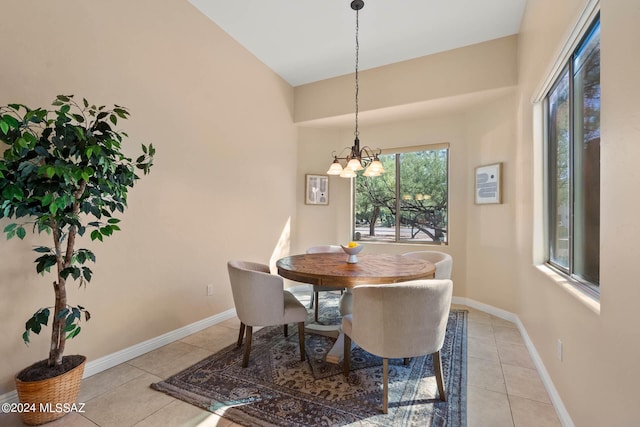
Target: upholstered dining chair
{"points": [[400, 320], [442, 261], [317, 289], [261, 300]]}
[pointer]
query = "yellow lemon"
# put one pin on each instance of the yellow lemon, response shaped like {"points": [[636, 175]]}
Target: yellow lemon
{"points": [[352, 244]]}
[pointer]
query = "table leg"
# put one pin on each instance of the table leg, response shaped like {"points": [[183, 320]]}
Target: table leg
{"points": [[336, 353]]}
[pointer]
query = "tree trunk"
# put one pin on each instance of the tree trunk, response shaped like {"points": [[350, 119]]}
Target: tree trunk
{"points": [[59, 287], [58, 337], [372, 221]]}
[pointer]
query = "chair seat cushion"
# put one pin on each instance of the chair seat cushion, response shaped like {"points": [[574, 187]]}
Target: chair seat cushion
{"points": [[294, 311]]}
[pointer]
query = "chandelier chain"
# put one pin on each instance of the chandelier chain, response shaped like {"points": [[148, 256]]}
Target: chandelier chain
{"points": [[356, 133]]}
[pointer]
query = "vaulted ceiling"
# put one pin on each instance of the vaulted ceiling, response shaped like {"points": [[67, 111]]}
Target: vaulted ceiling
{"points": [[305, 41]]}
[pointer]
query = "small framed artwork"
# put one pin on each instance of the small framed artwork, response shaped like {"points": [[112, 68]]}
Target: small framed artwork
{"points": [[316, 190], [488, 184]]}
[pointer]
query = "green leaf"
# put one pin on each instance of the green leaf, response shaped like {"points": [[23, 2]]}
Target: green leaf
{"points": [[21, 232], [62, 313], [34, 324], [87, 273], [9, 228], [11, 121], [79, 132], [74, 333], [45, 262], [42, 249], [11, 192], [46, 200], [4, 126], [95, 234], [62, 98]]}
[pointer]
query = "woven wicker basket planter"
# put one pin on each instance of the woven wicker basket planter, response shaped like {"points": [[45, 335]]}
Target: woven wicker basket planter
{"points": [[47, 395]]}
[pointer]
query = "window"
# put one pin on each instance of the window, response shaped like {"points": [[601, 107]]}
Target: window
{"points": [[573, 164], [407, 203]]}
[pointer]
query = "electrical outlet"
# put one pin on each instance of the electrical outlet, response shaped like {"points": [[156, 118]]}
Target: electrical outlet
{"points": [[209, 290], [559, 349]]}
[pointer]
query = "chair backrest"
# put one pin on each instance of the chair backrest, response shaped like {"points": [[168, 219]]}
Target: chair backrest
{"points": [[404, 319], [257, 294], [324, 249], [442, 261]]}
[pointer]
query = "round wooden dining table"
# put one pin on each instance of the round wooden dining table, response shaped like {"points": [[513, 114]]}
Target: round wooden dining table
{"points": [[332, 269]]}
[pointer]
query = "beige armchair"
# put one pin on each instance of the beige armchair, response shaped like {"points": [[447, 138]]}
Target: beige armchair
{"points": [[261, 300], [316, 288], [442, 261], [400, 320]]}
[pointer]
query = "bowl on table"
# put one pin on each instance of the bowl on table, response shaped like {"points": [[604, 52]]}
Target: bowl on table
{"points": [[352, 249]]}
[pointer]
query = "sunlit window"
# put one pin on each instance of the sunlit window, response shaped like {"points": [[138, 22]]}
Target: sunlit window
{"points": [[573, 164], [408, 203]]}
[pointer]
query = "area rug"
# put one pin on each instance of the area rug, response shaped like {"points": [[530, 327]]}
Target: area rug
{"points": [[277, 389]]}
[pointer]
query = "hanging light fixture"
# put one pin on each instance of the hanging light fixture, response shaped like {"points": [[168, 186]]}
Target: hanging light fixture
{"points": [[358, 158]]}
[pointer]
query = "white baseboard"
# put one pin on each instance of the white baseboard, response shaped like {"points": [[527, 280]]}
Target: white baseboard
{"points": [[102, 364], [561, 410]]}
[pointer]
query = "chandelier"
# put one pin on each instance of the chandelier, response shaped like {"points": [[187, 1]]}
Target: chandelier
{"points": [[358, 158]]}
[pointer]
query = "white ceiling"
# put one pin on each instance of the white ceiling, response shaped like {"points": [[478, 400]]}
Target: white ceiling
{"points": [[306, 41]]}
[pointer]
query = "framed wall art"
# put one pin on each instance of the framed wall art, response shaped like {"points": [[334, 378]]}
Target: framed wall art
{"points": [[316, 190], [488, 187]]}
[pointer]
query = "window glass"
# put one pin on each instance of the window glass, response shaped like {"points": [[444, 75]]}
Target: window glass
{"points": [[587, 159], [573, 146], [408, 203], [559, 173]]}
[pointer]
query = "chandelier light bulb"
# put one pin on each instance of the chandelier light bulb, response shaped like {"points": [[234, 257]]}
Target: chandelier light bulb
{"points": [[348, 173], [355, 165], [336, 168]]}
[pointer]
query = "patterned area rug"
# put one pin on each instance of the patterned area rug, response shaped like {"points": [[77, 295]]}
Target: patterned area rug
{"points": [[277, 389]]}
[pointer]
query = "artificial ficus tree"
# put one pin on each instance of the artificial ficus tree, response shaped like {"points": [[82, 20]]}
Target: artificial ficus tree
{"points": [[63, 172]]}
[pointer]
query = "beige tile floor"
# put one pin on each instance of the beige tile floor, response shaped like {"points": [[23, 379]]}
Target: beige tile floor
{"points": [[504, 388]]}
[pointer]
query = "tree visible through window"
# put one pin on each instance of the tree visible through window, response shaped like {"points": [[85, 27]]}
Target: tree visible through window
{"points": [[573, 135], [408, 202]]}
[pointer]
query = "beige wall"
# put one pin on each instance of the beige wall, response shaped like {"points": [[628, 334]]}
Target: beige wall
{"points": [[222, 187], [598, 377], [478, 125], [192, 91], [493, 246]]}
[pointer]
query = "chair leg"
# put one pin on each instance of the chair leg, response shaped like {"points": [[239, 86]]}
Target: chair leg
{"points": [[313, 294], [247, 347], [316, 308], [301, 340], [385, 385], [286, 330], [241, 334], [437, 366], [346, 360]]}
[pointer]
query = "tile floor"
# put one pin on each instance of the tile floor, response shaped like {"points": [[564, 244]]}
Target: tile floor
{"points": [[504, 388]]}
